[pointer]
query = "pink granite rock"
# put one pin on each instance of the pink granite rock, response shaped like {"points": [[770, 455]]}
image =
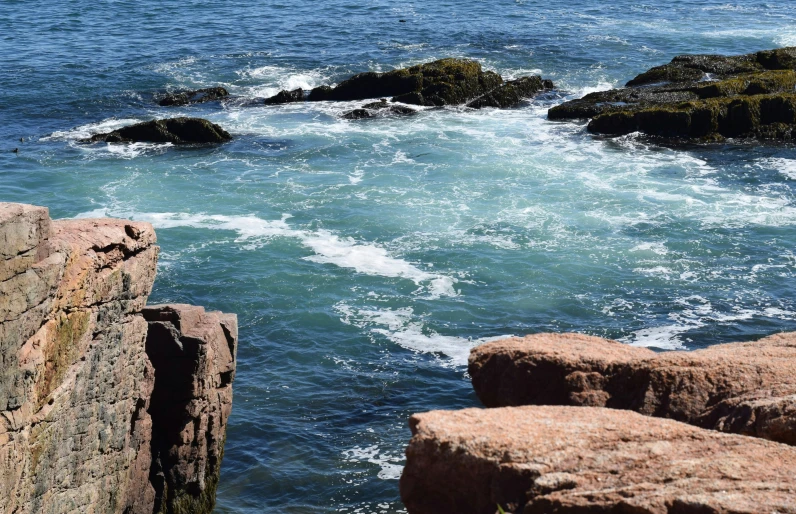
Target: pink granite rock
{"points": [[589, 460], [745, 388]]}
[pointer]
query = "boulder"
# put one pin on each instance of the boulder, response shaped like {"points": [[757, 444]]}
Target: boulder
{"points": [[699, 97], [588, 460], [284, 97], [193, 97], [744, 388], [81, 390], [442, 82], [512, 93], [178, 131]]}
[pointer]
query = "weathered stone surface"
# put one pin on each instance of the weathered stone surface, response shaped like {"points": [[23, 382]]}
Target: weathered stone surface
{"points": [[745, 388], [583, 460], [193, 353], [286, 97], [77, 385], [703, 97], [442, 82], [197, 96], [178, 131]]}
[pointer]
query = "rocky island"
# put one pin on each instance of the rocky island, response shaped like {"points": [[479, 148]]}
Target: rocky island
{"points": [[699, 97], [107, 405]]}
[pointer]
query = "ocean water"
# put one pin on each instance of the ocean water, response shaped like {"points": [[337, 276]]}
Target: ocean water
{"points": [[365, 258]]}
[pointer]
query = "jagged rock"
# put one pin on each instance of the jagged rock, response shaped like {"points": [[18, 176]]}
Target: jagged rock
{"points": [[193, 97], [284, 97], [702, 97], [76, 382], [588, 460], [178, 131], [511, 93], [193, 353], [443, 82], [744, 388], [378, 109]]}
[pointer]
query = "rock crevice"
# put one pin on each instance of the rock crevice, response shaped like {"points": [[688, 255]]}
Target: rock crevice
{"points": [[80, 427]]}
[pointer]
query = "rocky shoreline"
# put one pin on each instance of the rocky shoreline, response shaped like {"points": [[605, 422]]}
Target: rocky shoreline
{"points": [[549, 444], [106, 404]]}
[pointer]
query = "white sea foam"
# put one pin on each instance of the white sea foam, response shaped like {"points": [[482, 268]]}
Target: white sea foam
{"points": [[403, 328], [90, 129], [390, 464], [328, 248], [786, 167]]}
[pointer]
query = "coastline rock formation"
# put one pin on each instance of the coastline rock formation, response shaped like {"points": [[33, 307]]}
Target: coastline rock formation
{"points": [[197, 96], [438, 83], [90, 418], [744, 388], [178, 131], [588, 460], [699, 97]]}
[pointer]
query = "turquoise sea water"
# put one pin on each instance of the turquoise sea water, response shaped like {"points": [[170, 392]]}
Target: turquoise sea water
{"points": [[364, 258]]}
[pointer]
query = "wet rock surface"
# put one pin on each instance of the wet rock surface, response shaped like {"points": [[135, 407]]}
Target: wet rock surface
{"points": [[178, 131], [699, 97], [581, 460], [285, 97], [78, 383], [193, 97], [438, 83], [745, 388], [378, 109]]}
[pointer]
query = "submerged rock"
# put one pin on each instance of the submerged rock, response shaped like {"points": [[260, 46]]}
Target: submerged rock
{"points": [[702, 97], [378, 109], [744, 388], [443, 82], [178, 131], [588, 460], [285, 96], [193, 97]]}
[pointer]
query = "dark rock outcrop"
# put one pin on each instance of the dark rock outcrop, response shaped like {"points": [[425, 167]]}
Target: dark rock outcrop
{"points": [[744, 388], [378, 109], [193, 97], [588, 460], [701, 97], [178, 131], [285, 97], [442, 82], [79, 395]]}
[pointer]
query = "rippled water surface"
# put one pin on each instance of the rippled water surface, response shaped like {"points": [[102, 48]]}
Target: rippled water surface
{"points": [[364, 258]]}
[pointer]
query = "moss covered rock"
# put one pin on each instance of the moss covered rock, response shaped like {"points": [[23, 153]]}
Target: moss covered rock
{"points": [[704, 97], [438, 83]]}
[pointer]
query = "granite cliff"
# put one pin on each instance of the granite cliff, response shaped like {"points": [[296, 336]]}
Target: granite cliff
{"points": [[106, 405]]}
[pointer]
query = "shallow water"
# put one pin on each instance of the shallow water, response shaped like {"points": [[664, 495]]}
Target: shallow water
{"points": [[364, 258]]}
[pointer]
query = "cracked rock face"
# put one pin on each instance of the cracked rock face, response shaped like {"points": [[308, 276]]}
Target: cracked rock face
{"points": [[582, 460], [744, 388], [77, 385]]}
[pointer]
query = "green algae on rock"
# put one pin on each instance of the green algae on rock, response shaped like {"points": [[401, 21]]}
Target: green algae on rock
{"points": [[443, 82], [703, 97]]}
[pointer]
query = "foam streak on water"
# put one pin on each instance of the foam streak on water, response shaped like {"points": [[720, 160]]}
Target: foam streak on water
{"points": [[366, 258]]}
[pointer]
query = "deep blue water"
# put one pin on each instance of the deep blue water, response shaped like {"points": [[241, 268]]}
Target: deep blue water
{"points": [[365, 258]]}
